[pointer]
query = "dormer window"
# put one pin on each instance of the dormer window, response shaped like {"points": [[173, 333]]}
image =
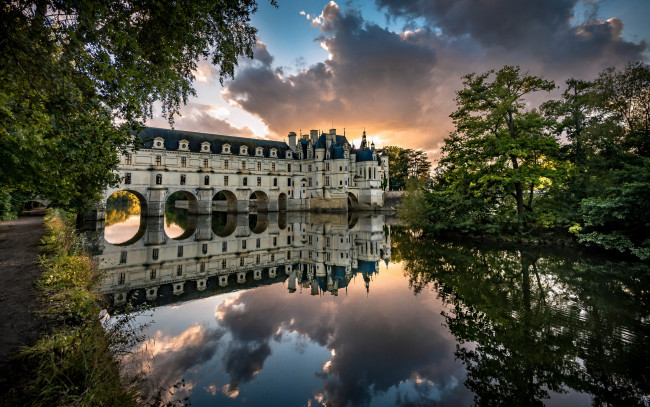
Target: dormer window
{"points": [[274, 152], [205, 147], [259, 151], [243, 150], [289, 154], [159, 143], [225, 149], [183, 145]]}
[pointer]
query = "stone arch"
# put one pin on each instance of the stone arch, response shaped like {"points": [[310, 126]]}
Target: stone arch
{"points": [[116, 218], [353, 201], [34, 204], [258, 222], [141, 199], [282, 202], [223, 223], [224, 200], [192, 201], [188, 221], [258, 201]]}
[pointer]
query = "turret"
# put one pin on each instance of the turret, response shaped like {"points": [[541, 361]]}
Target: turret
{"points": [[363, 141], [314, 136], [292, 140]]}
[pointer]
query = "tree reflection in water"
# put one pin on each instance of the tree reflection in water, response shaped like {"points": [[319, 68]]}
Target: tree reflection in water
{"points": [[532, 320]]}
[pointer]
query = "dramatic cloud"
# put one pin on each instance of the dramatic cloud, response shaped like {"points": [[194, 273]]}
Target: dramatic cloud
{"points": [[203, 118], [356, 329], [401, 86]]}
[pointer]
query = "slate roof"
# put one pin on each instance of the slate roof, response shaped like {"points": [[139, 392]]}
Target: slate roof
{"points": [[173, 137], [364, 155]]}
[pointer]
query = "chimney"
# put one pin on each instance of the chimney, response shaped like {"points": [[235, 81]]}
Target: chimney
{"points": [[333, 131], [292, 140], [314, 136]]}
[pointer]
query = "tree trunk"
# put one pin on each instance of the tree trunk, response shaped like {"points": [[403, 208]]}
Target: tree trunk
{"points": [[519, 191]]}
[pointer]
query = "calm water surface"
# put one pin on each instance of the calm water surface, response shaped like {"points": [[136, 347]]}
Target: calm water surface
{"points": [[347, 310]]}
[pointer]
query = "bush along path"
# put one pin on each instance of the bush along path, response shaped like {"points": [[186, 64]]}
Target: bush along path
{"points": [[74, 363]]}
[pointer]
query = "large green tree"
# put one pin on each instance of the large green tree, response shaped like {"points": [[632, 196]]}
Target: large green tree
{"points": [[78, 77], [499, 161]]}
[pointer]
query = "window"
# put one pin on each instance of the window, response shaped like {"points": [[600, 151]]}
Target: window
{"points": [[127, 159], [202, 269], [272, 257], [288, 239], [127, 178], [309, 168], [243, 165], [205, 248], [327, 181], [152, 274], [183, 162], [259, 181], [159, 179], [154, 254], [225, 180], [259, 166], [275, 182], [327, 241], [257, 259], [183, 179], [205, 163], [121, 278], [180, 251], [179, 270], [158, 160], [245, 181], [309, 181], [289, 181], [340, 182], [310, 240], [309, 254], [241, 261], [243, 244], [206, 180], [340, 168], [289, 167], [225, 165], [275, 241], [288, 255], [258, 242], [327, 166], [123, 257], [272, 166], [223, 263]]}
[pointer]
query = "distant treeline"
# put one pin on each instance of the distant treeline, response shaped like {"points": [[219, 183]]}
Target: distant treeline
{"points": [[578, 165]]}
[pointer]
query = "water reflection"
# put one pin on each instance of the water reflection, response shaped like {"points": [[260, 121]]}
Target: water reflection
{"points": [[530, 322], [122, 221], [314, 313]]}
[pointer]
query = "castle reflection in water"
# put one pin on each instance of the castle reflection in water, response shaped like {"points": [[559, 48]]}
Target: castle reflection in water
{"points": [[317, 253]]}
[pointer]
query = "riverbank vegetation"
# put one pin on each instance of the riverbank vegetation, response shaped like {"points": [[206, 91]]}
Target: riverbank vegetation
{"points": [[578, 167], [76, 363]]}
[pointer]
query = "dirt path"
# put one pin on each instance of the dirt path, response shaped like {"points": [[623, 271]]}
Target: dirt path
{"points": [[19, 297]]}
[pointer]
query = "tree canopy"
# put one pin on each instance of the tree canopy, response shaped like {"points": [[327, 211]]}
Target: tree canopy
{"points": [[78, 77], [405, 164], [579, 164]]}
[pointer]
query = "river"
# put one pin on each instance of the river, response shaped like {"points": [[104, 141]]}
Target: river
{"points": [[299, 309]]}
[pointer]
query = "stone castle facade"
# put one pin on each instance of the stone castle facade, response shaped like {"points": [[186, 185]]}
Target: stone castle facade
{"points": [[318, 172]]}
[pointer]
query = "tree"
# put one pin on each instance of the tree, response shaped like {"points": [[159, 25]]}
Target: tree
{"points": [[499, 161], [405, 164], [78, 77]]}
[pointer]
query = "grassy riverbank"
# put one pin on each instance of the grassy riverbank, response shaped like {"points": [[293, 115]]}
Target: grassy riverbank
{"points": [[74, 364]]}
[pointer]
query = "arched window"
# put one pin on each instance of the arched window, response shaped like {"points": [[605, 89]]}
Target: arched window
{"points": [[206, 180], [159, 179]]}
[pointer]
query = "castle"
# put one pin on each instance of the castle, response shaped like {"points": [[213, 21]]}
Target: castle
{"points": [[317, 172]]}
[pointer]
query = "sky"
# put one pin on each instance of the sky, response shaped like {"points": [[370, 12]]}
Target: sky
{"points": [[392, 67]]}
